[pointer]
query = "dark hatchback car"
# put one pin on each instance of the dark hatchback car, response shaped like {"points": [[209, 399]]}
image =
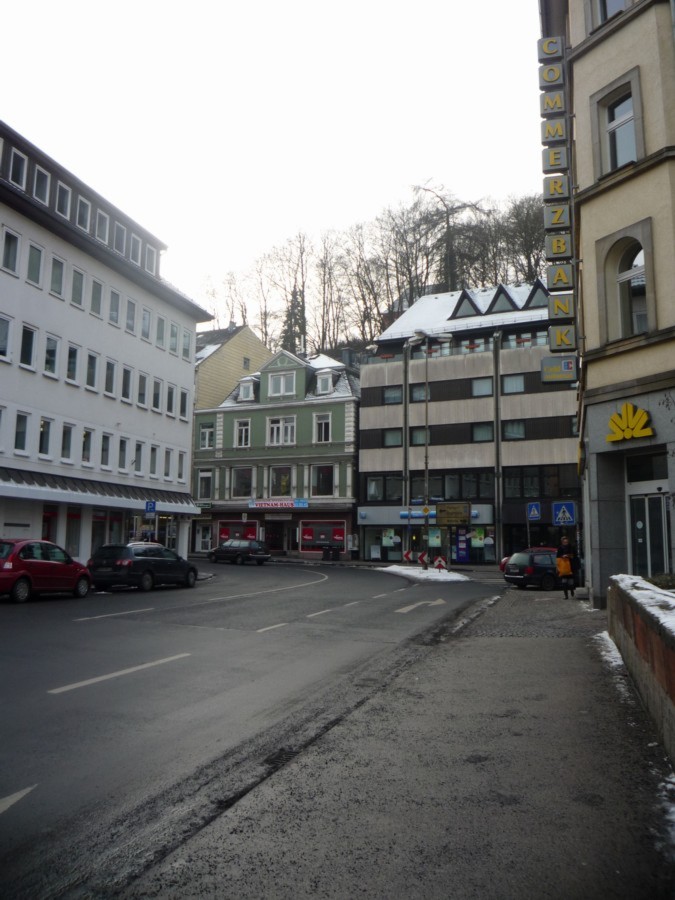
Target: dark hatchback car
{"points": [[141, 565], [39, 567], [240, 551], [536, 566]]}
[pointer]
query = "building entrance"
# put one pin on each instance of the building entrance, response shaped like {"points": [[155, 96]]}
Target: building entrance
{"points": [[649, 534]]}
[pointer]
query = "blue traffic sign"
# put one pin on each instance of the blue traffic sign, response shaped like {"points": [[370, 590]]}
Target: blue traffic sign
{"points": [[534, 511], [565, 513], [150, 507]]}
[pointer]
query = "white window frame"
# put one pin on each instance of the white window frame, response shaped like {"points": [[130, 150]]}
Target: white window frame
{"points": [[157, 394], [63, 199], [5, 337], [11, 250], [32, 250], [160, 332], [150, 259], [114, 307], [119, 238], [83, 218], [21, 433], [135, 246], [242, 433], [45, 177], [323, 426], [22, 160], [601, 128], [44, 438], [77, 288], [25, 331], [50, 366], [314, 478], [281, 384], [171, 399], [73, 354], [110, 377], [127, 387], [281, 431], [102, 226], [58, 267], [207, 436], [91, 376], [205, 484], [67, 431], [324, 383], [130, 317], [96, 298], [146, 324], [106, 446], [246, 390]]}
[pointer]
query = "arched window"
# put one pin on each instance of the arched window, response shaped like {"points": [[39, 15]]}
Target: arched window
{"points": [[632, 291]]}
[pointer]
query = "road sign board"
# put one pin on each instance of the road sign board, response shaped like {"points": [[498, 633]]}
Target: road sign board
{"points": [[440, 563], [407, 556], [453, 514], [534, 511], [564, 513], [150, 507], [422, 558]]}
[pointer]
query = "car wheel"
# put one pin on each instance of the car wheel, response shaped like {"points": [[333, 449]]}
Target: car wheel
{"points": [[547, 583], [191, 578], [260, 562], [81, 588], [147, 581], [20, 591], [239, 559]]}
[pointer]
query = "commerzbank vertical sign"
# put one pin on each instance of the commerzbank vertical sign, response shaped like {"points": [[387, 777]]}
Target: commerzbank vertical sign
{"points": [[557, 195]]}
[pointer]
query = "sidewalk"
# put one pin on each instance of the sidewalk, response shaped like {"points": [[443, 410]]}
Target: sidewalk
{"points": [[510, 760]]}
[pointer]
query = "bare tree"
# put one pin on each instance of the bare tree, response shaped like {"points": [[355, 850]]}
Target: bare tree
{"points": [[524, 231]]}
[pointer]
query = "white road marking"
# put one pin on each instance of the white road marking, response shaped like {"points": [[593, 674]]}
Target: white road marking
{"points": [[407, 609], [6, 802], [127, 612], [353, 603], [378, 596], [272, 627], [79, 684], [311, 615]]}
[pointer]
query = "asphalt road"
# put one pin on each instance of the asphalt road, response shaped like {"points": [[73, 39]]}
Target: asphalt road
{"points": [[127, 716]]}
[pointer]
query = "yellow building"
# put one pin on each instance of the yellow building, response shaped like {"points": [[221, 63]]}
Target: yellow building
{"points": [[608, 104], [222, 358]]}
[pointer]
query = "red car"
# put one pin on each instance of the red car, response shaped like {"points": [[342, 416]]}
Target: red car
{"points": [[29, 567]]}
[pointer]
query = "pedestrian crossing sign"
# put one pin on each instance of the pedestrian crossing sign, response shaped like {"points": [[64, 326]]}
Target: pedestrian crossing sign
{"points": [[565, 513], [534, 512]]}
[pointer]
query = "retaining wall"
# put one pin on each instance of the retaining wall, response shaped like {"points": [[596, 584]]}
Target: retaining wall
{"points": [[642, 625]]}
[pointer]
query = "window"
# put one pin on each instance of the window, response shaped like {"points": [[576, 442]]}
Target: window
{"points": [[173, 338], [617, 124], [181, 465], [71, 367], [242, 482], [26, 357], [92, 367], [122, 454], [322, 481], [45, 432], [17, 169], [114, 312], [322, 428], [34, 273], [375, 487], [281, 431], [170, 400], [481, 387], [242, 433], [205, 484], [21, 432], [419, 393], [392, 394], [105, 451], [87, 439], [482, 431], [246, 364], [393, 488], [631, 291], [126, 383], [96, 300], [514, 430], [167, 463], [4, 338], [56, 281], [135, 250], [131, 316], [418, 437], [246, 390], [626, 298], [206, 437], [280, 481], [159, 331], [102, 226], [283, 384], [145, 324], [183, 409], [10, 251], [151, 260], [120, 238], [83, 213], [77, 288], [138, 458], [392, 437], [51, 355], [324, 383], [67, 442], [513, 384], [153, 460], [187, 343], [63, 200], [609, 8], [141, 396], [41, 185], [157, 394], [110, 372]]}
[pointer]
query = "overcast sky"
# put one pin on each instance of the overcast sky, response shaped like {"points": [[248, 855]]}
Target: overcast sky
{"points": [[225, 128]]}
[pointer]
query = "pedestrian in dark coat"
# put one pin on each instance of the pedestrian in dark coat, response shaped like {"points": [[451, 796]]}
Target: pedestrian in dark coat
{"points": [[568, 563]]}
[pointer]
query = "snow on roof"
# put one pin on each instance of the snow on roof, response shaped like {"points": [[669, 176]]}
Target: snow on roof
{"points": [[433, 312], [321, 361], [205, 352]]}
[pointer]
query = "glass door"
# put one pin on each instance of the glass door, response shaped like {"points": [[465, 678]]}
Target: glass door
{"points": [[650, 534]]}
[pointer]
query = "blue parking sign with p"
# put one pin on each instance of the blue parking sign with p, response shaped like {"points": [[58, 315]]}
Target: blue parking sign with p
{"points": [[150, 507]]}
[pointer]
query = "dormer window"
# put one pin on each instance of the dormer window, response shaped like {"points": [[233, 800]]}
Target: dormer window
{"points": [[246, 390], [280, 385], [324, 383]]}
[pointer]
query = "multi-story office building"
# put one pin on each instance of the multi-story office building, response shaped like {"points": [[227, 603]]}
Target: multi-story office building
{"points": [[464, 403], [96, 366], [276, 459], [609, 67]]}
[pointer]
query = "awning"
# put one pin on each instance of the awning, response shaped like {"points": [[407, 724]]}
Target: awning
{"points": [[20, 484]]}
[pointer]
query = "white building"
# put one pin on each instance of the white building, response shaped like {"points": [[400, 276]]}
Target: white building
{"points": [[96, 366]]}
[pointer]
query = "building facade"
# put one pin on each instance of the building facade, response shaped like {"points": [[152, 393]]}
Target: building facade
{"points": [[223, 356], [96, 366], [617, 63], [463, 403], [276, 460]]}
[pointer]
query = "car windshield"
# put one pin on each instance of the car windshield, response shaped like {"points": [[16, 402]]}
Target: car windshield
{"points": [[519, 559], [5, 549]]}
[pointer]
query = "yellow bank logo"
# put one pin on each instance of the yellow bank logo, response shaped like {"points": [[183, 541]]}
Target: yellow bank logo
{"points": [[630, 423]]}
